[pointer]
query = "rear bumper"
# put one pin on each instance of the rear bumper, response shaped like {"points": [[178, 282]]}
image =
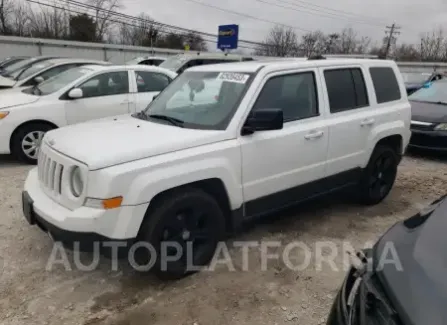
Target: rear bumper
{"points": [[429, 140]]}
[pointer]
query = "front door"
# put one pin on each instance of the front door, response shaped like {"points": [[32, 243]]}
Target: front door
{"points": [[280, 167], [106, 94]]}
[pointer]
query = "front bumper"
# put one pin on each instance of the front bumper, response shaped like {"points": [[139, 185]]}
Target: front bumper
{"points": [[81, 224], [339, 311], [429, 140]]}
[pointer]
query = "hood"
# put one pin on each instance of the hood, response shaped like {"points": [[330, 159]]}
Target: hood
{"points": [[120, 139], [428, 112], [6, 82], [11, 98], [418, 291]]}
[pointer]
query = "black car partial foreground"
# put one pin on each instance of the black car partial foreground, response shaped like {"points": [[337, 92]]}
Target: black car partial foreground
{"points": [[429, 117], [402, 279]]}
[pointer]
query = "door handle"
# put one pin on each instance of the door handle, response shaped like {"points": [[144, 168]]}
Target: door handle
{"points": [[368, 121], [314, 135]]}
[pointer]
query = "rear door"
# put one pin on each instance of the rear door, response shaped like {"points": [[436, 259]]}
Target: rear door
{"points": [[105, 94], [350, 118], [147, 85]]}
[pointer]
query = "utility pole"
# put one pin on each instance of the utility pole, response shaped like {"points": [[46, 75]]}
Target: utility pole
{"points": [[391, 31]]}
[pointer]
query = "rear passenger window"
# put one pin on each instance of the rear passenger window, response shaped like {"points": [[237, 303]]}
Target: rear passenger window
{"points": [[346, 89], [385, 84], [295, 94]]}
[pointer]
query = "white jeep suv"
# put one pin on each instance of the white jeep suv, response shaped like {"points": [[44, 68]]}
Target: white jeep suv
{"points": [[262, 136]]}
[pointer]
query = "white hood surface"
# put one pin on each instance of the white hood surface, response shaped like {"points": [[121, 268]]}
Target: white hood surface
{"points": [[11, 98], [6, 82], [120, 139]]}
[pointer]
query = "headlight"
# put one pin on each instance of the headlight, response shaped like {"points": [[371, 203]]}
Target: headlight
{"points": [[441, 127], [3, 114], [76, 182]]}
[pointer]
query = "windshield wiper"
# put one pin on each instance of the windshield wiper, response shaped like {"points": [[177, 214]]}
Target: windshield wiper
{"points": [[174, 121], [140, 115]]}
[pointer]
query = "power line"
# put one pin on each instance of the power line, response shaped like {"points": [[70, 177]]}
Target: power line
{"points": [[341, 11], [248, 16], [317, 12], [113, 20], [133, 18]]}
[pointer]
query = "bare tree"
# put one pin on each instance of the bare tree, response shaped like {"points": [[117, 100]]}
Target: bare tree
{"points": [[6, 10], [407, 52], [433, 46], [312, 44], [103, 14], [21, 20], [281, 41], [48, 23], [141, 31], [351, 43]]}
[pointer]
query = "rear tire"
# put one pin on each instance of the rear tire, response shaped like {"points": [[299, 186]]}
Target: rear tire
{"points": [[379, 176], [25, 142], [187, 216]]}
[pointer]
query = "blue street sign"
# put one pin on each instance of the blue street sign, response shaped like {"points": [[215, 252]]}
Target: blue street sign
{"points": [[227, 37]]}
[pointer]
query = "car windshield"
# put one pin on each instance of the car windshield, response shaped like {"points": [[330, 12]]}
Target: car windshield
{"points": [[200, 100], [435, 93], [35, 68], [174, 63], [17, 67], [415, 78], [59, 81]]}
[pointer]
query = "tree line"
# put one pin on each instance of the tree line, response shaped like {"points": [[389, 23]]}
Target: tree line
{"points": [[18, 18], [284, 42], [100, 24]]}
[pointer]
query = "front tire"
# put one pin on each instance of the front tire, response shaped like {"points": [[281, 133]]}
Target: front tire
{"points": [[379, 176], [25, 143], [181, 218]]}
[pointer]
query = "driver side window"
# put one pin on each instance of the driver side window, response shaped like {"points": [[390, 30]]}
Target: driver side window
{"points": [[106, 84], [295, 94]]}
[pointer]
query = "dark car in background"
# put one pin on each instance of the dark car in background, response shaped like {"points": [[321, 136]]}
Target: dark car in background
{"points": [[402, 279], [415, 81], [429, 117]]}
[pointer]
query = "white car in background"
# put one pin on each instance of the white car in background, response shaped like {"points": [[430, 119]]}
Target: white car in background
{"points": [[76, 95], [42, 71]]}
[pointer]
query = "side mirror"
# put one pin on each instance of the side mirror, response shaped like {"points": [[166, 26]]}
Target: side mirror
{"points": [[38, 80], [75, 93], [264, 120]]}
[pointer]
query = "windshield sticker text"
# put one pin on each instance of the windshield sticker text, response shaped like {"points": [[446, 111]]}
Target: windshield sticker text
{"points": [[233, 77]]}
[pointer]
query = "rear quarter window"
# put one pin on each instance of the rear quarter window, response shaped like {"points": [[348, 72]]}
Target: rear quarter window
{"points": [[385, 84]]}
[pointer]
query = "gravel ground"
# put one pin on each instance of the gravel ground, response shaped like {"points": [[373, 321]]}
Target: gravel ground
{"points": [[32, 293]]}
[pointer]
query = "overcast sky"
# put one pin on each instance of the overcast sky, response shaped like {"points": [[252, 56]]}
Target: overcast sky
{"points": [[368, 17]]}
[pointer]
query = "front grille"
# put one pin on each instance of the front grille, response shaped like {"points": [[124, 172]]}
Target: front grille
{"points": [[50, 173]]}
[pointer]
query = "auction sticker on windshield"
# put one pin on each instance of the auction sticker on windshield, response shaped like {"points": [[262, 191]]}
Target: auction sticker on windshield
{"points": [[233, 77]]}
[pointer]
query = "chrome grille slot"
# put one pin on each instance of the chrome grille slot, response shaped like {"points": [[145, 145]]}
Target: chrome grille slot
{"points": [[50, 173]]}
